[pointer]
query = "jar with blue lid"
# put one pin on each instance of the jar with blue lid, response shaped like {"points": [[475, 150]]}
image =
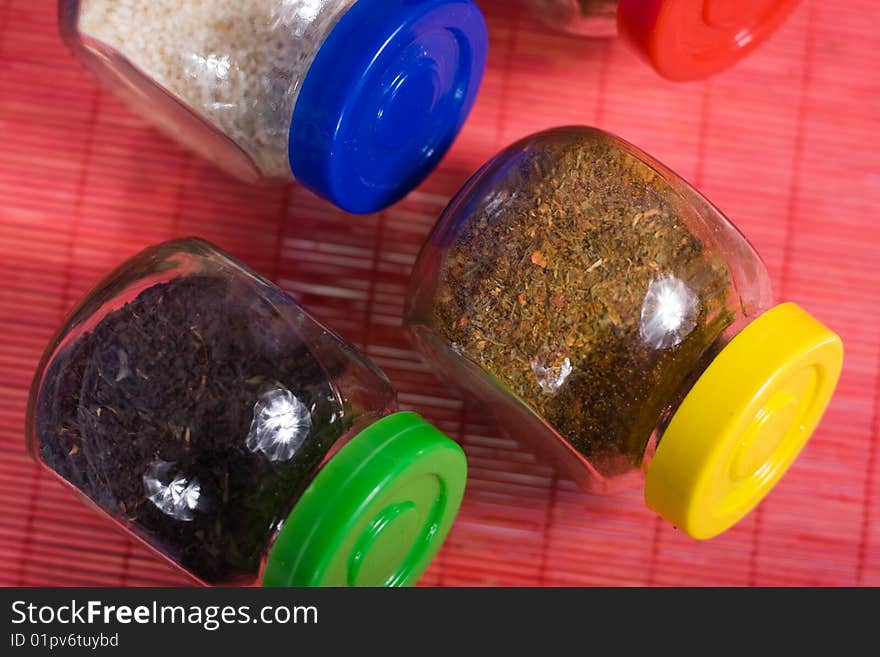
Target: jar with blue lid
{"points": [[355, 99]]}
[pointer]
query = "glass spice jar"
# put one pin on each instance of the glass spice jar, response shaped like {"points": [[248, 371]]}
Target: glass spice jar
{"points": [[203, 411], [611, 316], [355, 99], [681, 39]]}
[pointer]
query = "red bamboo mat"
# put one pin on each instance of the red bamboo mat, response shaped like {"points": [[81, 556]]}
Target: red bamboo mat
{"points": [[786, 144]]}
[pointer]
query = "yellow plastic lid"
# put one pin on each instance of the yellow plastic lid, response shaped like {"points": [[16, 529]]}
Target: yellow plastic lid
{"points": [[744, 422]]}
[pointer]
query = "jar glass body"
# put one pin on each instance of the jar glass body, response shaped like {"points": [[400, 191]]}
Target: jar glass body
{"points": [[580, 288], [192, 402], [221, 78], [589, 18]]}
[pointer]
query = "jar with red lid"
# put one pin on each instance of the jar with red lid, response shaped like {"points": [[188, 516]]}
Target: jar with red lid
{"points": [[680, 39]]}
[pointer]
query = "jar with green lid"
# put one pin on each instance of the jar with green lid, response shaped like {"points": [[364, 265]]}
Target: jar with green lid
{"points": [[200, 409], [610, 315]]}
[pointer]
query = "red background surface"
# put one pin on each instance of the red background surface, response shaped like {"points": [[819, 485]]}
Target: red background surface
{"points": [[786, 144]]}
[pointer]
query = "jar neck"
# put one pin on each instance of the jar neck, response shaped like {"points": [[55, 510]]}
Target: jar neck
{"points": [[681, 392]]}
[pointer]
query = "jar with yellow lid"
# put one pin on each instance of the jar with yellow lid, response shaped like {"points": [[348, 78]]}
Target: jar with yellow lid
{"points": [[610, 315]]}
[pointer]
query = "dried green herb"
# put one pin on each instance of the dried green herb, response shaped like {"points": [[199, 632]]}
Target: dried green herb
{"points": [[162, 416], [580, 287]]}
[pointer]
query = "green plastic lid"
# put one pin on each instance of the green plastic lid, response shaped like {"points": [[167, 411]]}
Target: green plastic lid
{"points": [[377, 512]]}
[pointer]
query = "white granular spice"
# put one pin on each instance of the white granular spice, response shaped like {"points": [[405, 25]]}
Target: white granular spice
{"points": [[239, 64]]}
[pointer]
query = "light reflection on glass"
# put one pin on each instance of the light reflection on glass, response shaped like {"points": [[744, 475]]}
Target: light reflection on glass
{"points": [[280, 425], [669, 312], [551, 369], [216, 65], [123, 372], [308, 10], [173, 493]]}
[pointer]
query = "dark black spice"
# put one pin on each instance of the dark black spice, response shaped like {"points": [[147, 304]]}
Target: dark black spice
{"points": [[579, 286], [196, 416]]}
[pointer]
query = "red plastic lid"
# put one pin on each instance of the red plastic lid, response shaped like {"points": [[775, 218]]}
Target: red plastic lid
{"points": [[692, 39]]}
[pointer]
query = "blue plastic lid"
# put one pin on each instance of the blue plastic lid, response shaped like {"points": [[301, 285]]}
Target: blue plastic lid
{"points": [[386, 95]]}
